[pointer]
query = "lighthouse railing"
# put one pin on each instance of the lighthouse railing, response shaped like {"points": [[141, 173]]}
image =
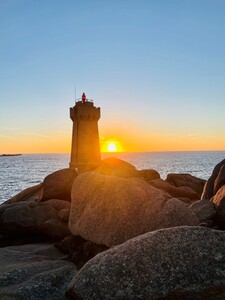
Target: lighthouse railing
{"points": [[87, 100]]}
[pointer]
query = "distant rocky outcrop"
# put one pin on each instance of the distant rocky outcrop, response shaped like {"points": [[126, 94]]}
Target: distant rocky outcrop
{"points": [[34, 272], [109, 210], [174, 263], [58, 185]]}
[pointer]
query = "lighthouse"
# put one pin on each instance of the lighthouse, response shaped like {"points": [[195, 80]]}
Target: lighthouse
{"points": [[85, 151]]}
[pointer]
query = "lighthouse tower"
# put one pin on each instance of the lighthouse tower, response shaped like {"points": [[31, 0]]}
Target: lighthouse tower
{"points": [[85, 152]]}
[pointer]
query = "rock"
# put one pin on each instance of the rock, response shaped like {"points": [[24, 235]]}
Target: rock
{"points": [[204, 209], [208, 191], [175, 263], [149, 174], [64, 215], [79, 250], [177, 192], [219, 202], [56, 229], [180, 180], [58, 185], [220, 180], [207, 223], [34, 272], [58, 204], [116, 167], [27, 218], [30, 194], [109, 210]]}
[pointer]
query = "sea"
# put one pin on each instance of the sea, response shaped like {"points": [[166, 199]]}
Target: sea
{"points": [[20, 172]]}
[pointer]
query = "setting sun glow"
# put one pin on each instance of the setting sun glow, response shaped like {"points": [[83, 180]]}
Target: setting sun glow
{"points": [[111, 147]]}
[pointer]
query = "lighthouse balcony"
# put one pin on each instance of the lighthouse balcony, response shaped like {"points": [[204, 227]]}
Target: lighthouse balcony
{"points": [[88, 102]]}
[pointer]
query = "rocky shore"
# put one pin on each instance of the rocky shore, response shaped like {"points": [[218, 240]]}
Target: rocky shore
{"points": [[115, 233]]}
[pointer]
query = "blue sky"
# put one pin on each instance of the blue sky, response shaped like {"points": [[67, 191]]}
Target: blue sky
{"points": [[156, 69]]}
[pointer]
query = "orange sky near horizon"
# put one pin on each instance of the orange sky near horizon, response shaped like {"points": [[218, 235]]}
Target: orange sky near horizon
{"points": [[126, 141]]}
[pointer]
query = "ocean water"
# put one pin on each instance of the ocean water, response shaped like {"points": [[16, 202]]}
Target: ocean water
{"points": [[20, 172]]}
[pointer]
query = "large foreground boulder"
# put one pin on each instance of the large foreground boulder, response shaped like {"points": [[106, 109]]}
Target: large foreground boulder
{"points": [[34, 272], [168, 264], [182, 180], [58, 185], [109, 210]]}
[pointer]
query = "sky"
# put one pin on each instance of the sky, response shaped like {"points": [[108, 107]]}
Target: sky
{"points": [[155, 67]]}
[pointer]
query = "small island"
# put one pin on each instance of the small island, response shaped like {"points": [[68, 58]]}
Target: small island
{"points": [[18, 154]]}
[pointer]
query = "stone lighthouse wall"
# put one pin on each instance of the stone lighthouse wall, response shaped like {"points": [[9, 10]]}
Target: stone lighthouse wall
{"points": [[85, 153]]}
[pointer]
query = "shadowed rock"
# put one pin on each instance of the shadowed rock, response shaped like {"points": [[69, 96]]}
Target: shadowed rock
{"points": [[182, 180], [116, 167], [79, 250], [34, 272], [149, 174], [219, 202], [204, 209], [220, 180], [109, 210], [175, 263], [208, 191], [58, 185], [58, 204], [177, 192], [64, 214], [26, 218]]}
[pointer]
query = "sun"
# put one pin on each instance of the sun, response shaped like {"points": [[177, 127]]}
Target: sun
{"points": [[111, 147]]}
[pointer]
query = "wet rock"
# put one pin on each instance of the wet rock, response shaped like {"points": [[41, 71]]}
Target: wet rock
{"points": [[116, 167], [149, 174], [177, 192], [174, 263], [34, 272], [109, 210], [208, 191], [182, 180], [58, 185]]}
